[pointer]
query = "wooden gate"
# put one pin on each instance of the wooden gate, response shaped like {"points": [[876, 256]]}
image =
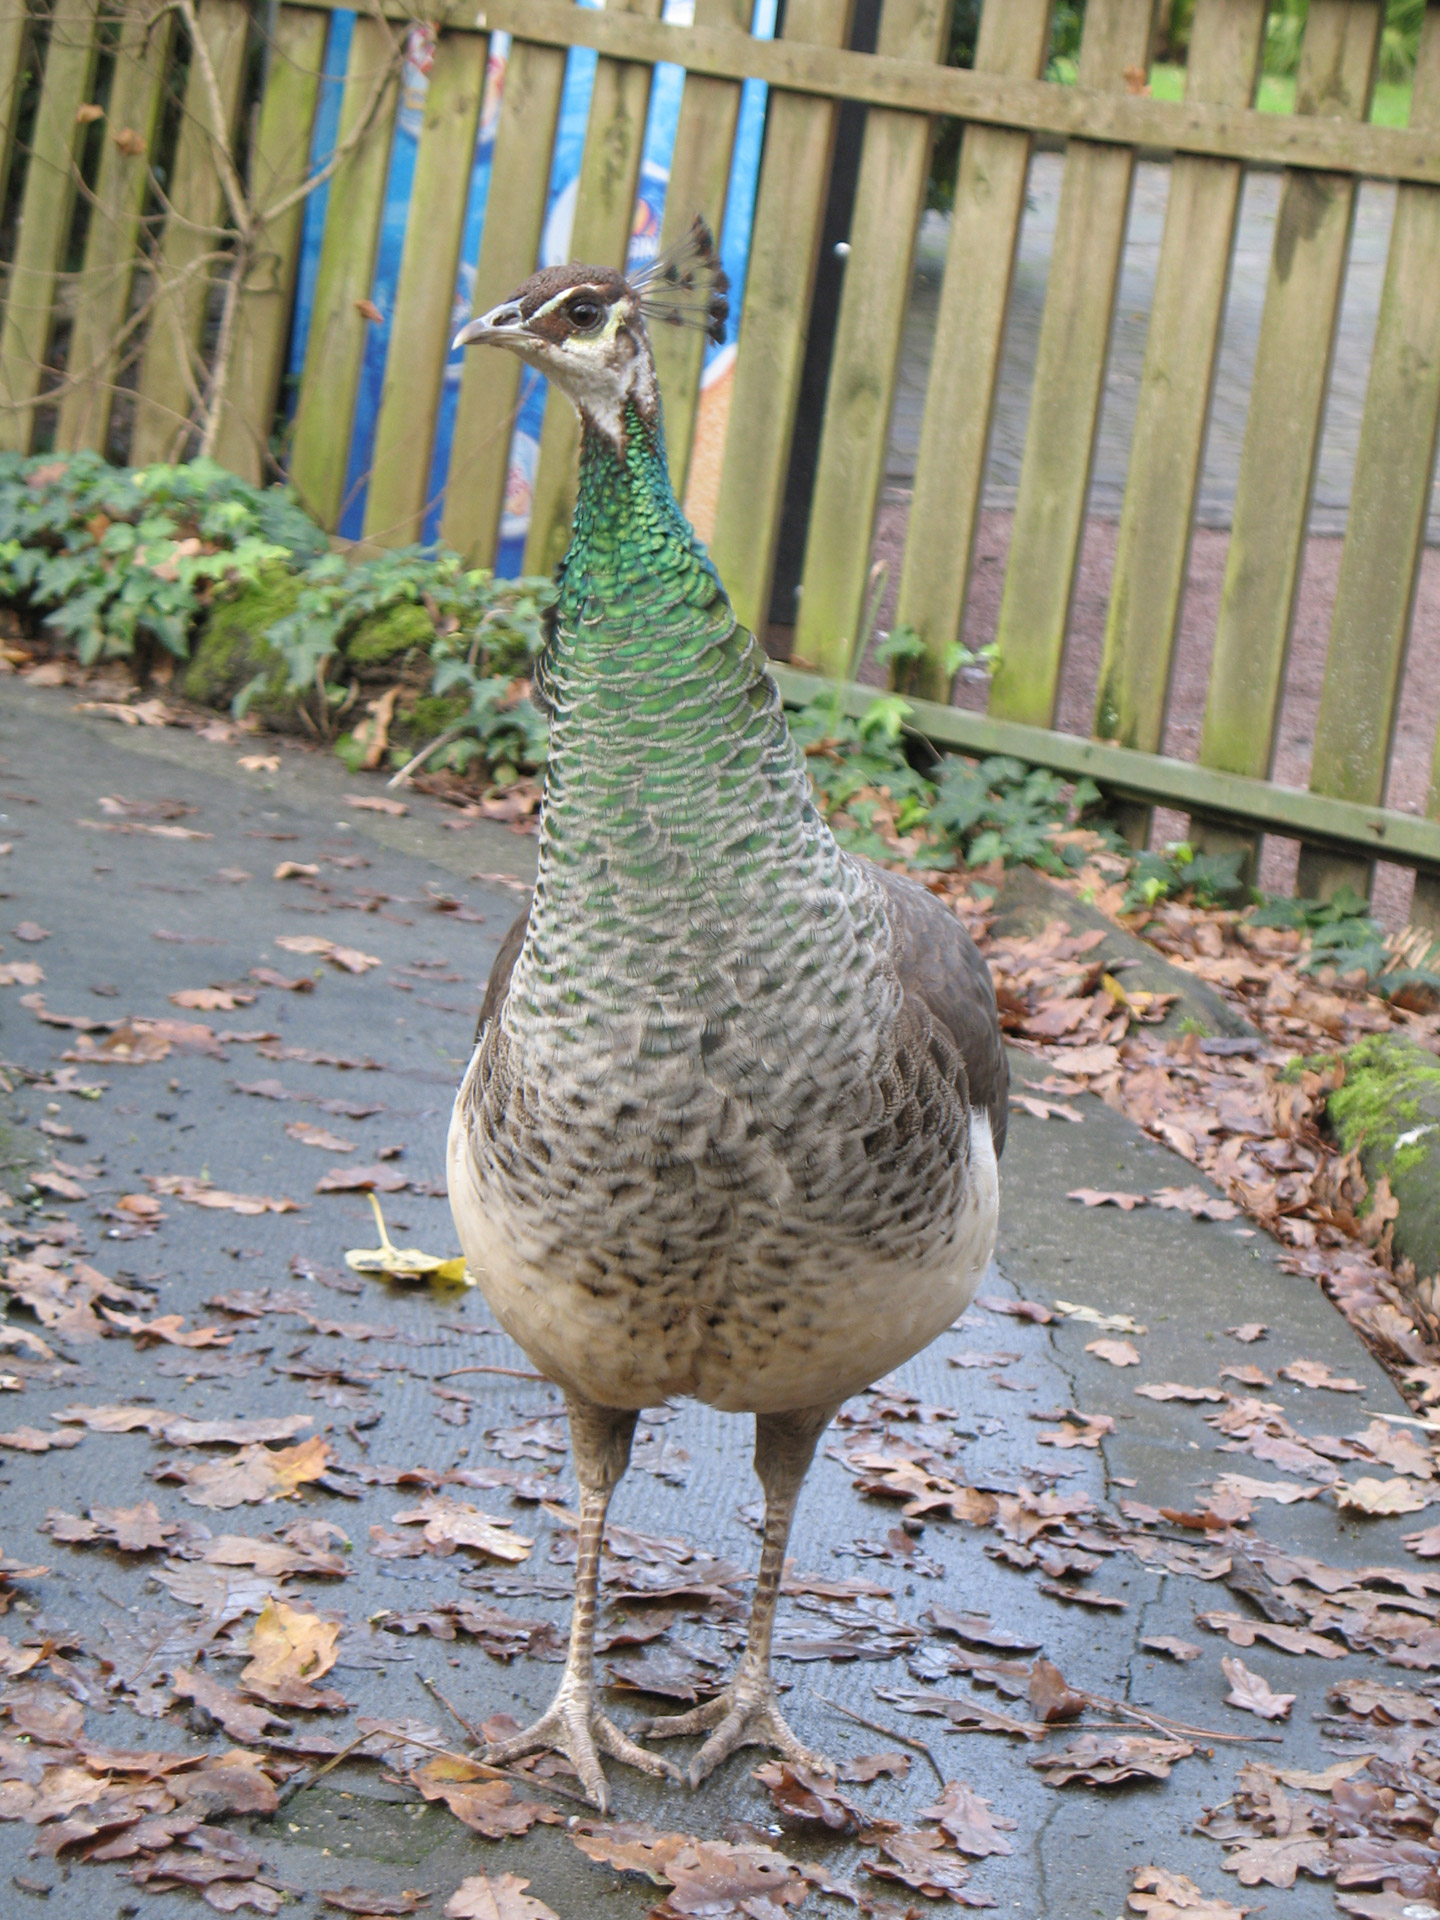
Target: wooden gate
{"points": [[213, 339]]}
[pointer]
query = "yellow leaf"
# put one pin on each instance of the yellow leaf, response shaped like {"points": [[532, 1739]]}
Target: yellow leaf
{"points": [[407, 1263]]}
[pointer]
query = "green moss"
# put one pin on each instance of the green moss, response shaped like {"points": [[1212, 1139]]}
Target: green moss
{"points": [[1383, 1099], [430, 716], [1389, 1110], [233, 649], [382, 637]]}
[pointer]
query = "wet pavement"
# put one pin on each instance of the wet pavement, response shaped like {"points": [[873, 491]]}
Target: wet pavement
{"points": [[133, 917]]}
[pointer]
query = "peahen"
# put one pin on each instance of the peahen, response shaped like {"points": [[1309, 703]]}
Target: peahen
{"points": [[731, 1125]]}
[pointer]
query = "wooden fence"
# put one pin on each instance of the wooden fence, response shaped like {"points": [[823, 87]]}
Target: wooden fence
{"points": [[220, 262]]}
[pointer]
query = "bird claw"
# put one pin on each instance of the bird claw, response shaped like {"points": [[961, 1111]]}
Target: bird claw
{"points": [[745, 1714], [574, 1725]]}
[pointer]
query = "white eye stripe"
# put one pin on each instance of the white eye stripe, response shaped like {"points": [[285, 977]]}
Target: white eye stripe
{"points": [[563, 299]]}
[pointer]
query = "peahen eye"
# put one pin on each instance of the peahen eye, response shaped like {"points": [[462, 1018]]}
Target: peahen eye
{"points": [[585, 315]]}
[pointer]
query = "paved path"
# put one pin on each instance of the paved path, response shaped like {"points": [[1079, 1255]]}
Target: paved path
{"points": [[1251, 267], [133, 918]]}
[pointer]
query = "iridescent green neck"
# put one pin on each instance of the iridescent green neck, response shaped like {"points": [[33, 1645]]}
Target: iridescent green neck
{"points": [[629, 533]]}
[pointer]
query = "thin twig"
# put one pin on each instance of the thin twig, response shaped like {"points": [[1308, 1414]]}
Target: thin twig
{"points": [[905, 1739], [402, 778], [303, 1781], [511, 1373], [472, 1733], [1161, 1725]]}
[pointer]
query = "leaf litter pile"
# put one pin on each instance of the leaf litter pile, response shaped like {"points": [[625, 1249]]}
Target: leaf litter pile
{"points": [[181, 1675]]}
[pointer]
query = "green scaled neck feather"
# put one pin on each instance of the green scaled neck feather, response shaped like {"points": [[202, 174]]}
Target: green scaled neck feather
{"points": [[681, 850]]}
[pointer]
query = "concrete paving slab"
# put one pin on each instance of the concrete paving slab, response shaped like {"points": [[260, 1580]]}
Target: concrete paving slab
{"points": [[105, 895]]}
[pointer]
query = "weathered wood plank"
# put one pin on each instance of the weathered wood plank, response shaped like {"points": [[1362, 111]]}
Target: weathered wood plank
{"points": [[699, 179], [103, 298], [1156, 126], [965, 363], [45, 210], [775, 320], [14, 35], [1181, 351], [325, 415], [424, 302], [1282, 432], [1389, 500], [1069, 385], [1153, 777], [865, 362], [509, 247], [604, 210], [280, 164], [170, 372]]}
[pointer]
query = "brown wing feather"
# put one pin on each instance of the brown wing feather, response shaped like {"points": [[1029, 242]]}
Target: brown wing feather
{"points": [[939, 963], [501, 968]]}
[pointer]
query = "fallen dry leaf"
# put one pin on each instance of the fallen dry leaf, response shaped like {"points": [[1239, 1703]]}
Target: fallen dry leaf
{"points": [[478, 1897], [1119, 1353], [1096, 1197], [968, 1822], [1379, 1497], [1172, 1648], [920, 1860], [1248, 1331], [1253, 1694], [1169, 1390], [1316, 1373], [29, 931], [1196, 1202], [1045, 1109], [237, 1717], [805, 1795], [371, 1903], [312, 1136], [362, 1180], [487, 1806], [200, 1193], [253, 1474], [456, 1523], [375, 803], [1246, 1376], [289, 1651], [1016, 1309], [1103, 1759], [32, 1440], [1170, 1896], [211, 999]]}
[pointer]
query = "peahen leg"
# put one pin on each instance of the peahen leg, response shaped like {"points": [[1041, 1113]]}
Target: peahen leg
{"points": [[573, 1724], [747, 1713]]}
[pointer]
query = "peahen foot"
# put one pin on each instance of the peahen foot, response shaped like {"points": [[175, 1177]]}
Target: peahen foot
{"points": [[746, 1714], [574, 1725]]}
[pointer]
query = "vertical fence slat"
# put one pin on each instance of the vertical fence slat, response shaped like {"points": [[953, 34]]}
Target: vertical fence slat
{"points": [[965, 363], [604, 210], [775, 322], [1282, 433], [865, 364], [183, 272], [425, 299], [14, 32], [279, 166], [1181, 352], [509, 247], [1069, 383], [45, 211], [1425, 906], [103, 299], [1389, 501], [699, 177], [325, 414]]}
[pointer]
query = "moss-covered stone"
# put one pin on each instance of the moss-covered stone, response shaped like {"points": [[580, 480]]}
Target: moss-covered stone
{"points": [[381, 638], [429, 717], [233, 649], [1389, 1109]]}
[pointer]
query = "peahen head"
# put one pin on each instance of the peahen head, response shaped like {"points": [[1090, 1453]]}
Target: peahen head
{"points": [[584, 327]]}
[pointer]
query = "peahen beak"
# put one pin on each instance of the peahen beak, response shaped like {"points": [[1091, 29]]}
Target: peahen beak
{"points": [[503, 326]]}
